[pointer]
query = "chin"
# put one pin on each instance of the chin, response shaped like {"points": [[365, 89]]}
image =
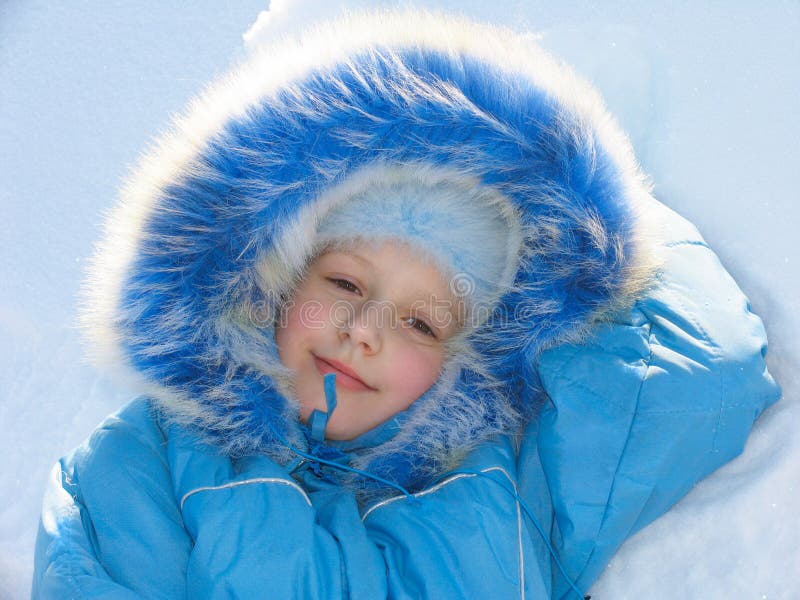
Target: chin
{"points": [[337, 435]]}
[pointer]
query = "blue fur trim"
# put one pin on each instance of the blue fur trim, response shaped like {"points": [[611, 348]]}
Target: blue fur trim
{"points": [[182, 312]]}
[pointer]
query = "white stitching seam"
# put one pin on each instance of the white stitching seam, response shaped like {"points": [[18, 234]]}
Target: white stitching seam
{"points": [[246, 482], [461, 476], [521, 554]]}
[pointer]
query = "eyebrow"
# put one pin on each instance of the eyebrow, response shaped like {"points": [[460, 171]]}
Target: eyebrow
{"points": [[351, 254], [361, 259]]}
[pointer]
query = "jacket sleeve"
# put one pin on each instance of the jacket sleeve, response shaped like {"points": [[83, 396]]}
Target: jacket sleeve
{"points": [[109, 525], [655, 401], [66, 564]]}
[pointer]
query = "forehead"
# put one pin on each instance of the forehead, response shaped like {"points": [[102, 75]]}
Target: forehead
{"points": [[396, 262]]}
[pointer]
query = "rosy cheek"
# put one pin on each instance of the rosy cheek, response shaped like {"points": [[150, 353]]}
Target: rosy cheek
{"points": [[414, 372], [301, 313], [290, 331], [291, 320], [283, 328]]}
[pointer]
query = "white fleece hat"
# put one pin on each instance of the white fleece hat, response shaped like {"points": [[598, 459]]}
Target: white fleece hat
{"points": [[470, 232]]}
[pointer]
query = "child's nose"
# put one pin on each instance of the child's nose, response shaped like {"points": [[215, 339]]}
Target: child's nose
{"points": [[364, 330]]}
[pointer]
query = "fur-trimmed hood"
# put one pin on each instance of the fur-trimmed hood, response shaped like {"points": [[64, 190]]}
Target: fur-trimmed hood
{"points": [[217, 223]]}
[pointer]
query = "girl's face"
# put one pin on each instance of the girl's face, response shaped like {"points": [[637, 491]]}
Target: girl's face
{"points": [[375, 315]]}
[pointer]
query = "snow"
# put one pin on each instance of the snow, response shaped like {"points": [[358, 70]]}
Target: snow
{"points": [[708, 93]]}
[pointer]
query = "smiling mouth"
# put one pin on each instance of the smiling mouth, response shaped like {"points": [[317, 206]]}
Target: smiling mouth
{"points": [[345, 380]]}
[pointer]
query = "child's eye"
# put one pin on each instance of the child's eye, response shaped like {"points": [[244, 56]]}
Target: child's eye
{"points": [[420, 326], [345, 285]]}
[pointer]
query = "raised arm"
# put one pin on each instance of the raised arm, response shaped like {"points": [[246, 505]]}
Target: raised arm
{"points": [[652, 403]]}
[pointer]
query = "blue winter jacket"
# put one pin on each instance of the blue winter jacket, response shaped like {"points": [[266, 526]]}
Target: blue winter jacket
{"points": [[631, 368]]}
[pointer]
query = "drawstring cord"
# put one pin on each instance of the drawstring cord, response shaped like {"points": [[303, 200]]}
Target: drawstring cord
{"points": [[318, 422]]}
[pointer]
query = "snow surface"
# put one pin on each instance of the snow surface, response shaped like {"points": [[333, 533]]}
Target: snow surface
{"points": [[709, 94]]}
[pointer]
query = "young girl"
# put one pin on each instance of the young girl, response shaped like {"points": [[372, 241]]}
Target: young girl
{"points": [[408, 323]]}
